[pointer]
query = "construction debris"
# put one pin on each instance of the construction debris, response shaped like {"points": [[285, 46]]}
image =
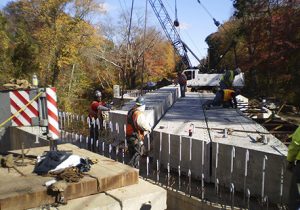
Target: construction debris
{"points": [[8, 162], [15, 84]]}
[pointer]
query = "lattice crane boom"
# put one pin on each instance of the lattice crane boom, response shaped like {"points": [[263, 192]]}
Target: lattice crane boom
{"points": [[170, 30]]}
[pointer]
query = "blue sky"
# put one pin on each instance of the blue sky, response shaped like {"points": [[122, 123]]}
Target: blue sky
{"points": [[195, 23]]}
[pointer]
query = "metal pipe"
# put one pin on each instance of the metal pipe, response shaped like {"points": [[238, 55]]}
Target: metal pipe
{"points": [[246, 173], [109, 150], [124, 127], [147, 166], [248, 198], [179, 164], [202, 186], [231, 164], [281, 183], [160, 145], [217, 160], [103, 145], [80, 141], [266, 201], [232, 195], [123, 156], [117, 152], [190, 160], [157, 171], [86, 142], [190, 181], [263, 178], [169, 154], [225, 133], [148, 142], [117, 128], [217, 187]]}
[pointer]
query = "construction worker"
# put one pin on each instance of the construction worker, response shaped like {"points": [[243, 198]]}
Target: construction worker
{"points": [[226, 97], [136, 128], [182, 80], [293, 158], [95, 112], [227, 78]]}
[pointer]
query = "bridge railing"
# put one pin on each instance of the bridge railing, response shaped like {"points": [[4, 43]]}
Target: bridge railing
{"points": [[169, 171]]}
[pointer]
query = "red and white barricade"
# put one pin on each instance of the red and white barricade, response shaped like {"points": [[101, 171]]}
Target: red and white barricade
{"points": [[20, 99]]}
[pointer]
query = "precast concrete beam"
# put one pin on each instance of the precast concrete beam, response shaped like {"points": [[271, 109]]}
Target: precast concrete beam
{"points": [[157, 103], [247, 155], [180, 140]]}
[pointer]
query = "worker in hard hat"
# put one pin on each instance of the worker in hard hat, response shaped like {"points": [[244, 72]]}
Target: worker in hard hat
{"points": [[182, 80], [96, 118], [293, 158], [226, 81], [136, 128], [226, 98]]}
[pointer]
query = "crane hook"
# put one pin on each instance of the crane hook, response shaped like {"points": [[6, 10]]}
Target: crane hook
{"points": [[176, 23]]}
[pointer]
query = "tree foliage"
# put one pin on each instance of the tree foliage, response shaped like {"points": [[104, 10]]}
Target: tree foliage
{"points": [[56, 40], [267, 37], [143, 55]]}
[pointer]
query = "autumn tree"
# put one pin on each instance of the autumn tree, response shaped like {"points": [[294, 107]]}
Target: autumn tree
{"points": [[266, 35], [270, 31], [6, 65], [127, 53], [52, 38]]}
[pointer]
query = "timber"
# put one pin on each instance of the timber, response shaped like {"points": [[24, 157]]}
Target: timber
{"points": [[23, 192]]}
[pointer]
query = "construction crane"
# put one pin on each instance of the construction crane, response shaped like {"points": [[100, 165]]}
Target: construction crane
{"points": [[196, 79], [171, 32]]}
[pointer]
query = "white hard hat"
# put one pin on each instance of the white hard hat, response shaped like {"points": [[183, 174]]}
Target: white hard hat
{"points": [[98, 93], [237, 71]]}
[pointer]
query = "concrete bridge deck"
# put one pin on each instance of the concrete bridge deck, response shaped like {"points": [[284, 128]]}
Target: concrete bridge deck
{"points": [[236, 160]]}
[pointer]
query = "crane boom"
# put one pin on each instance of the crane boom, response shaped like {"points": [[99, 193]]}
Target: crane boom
{"points": [[171, 32]]}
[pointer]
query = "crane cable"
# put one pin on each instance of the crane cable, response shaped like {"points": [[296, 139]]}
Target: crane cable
{"points": [[127, 49], [217, 23], [176, 22]]}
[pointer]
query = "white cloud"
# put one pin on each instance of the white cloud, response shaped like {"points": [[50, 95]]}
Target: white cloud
{"points": [[184, 26], [106, 7]]}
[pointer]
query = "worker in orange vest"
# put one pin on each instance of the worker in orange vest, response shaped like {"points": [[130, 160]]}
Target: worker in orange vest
{"points": [[95, 112], [136, 128], [226, 98]]}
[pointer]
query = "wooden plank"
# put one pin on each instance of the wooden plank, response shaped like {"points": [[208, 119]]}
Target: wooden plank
{"points": [[17, 192]]}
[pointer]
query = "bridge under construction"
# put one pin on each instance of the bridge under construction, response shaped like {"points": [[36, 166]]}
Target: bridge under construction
{"points": [[198, 158]]}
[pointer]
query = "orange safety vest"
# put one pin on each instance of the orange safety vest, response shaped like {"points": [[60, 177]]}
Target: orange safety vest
{"points": [[131, 127], [228, 94]]}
